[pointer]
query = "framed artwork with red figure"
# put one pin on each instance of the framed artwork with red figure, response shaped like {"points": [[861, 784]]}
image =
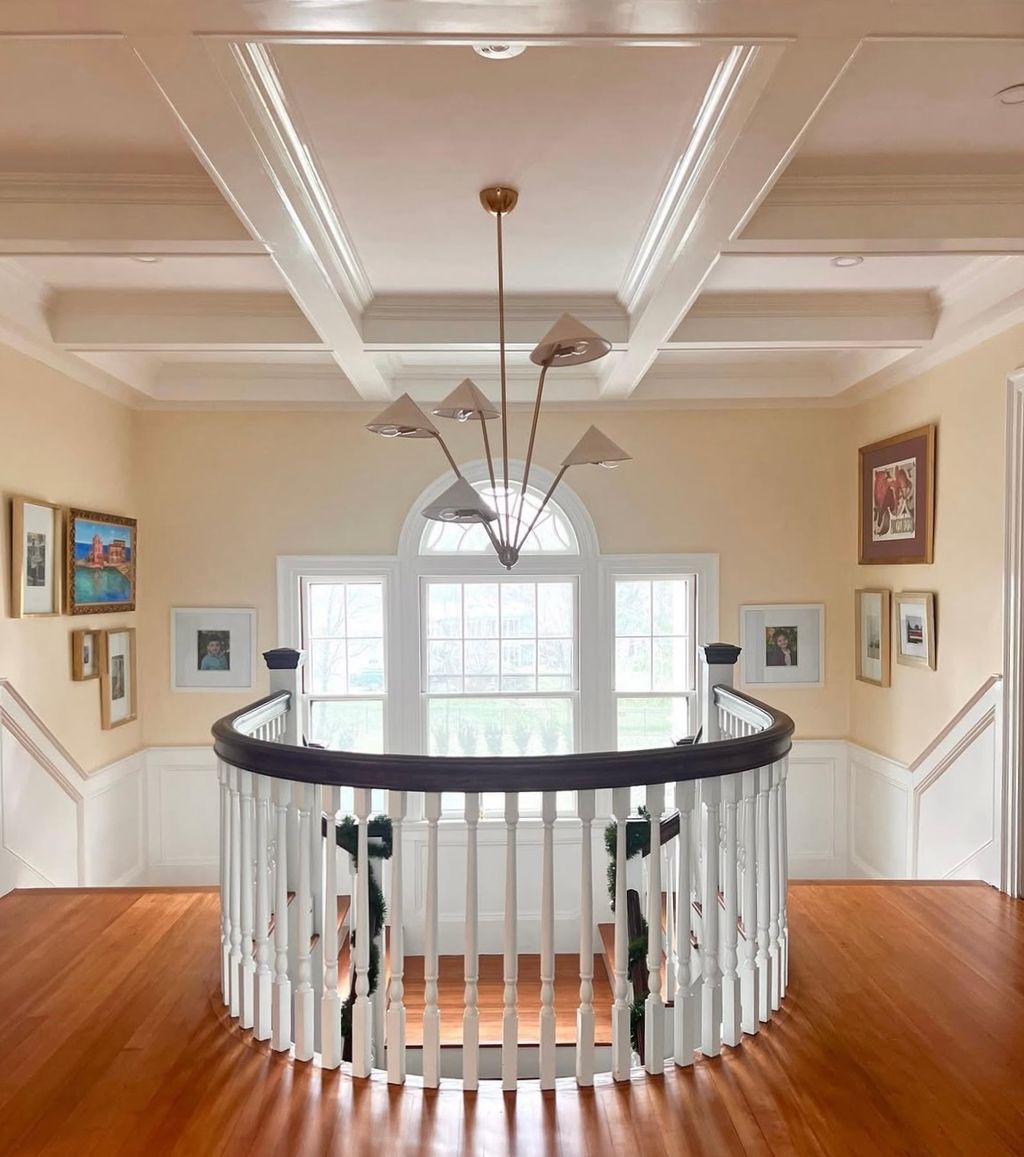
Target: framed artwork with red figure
{"points": [[896, 498]]}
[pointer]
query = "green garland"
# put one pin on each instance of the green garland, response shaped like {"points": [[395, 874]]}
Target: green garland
{"points": [[637, 837]]}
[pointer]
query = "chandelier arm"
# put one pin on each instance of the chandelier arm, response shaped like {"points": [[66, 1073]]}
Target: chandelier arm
{"points": [[498, 545], [448, 454], [529, 449], [490, 471], [504, 380], [540, 509]]}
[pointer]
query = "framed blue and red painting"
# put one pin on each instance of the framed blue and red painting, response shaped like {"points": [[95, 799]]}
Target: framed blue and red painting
{"points": [[101, 557]]}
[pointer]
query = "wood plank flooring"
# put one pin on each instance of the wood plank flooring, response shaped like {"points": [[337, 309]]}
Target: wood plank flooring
{"points": [[903, 1033]]}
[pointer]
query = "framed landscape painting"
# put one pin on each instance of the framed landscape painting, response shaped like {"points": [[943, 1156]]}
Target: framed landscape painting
{"points": [[213, 648], [783, 645], [896, 498], [36, 562], [101, 557], [874, 644]]}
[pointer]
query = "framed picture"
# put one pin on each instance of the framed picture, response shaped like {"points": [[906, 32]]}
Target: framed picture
{"points": [[783, 645], [36, 562], [873, 614], [101, 559], [915, 629], [213, 648], [118, 683], [85, 655], [896, 498]]}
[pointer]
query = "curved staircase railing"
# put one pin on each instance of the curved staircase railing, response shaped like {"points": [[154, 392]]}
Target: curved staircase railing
{"points": [[308, 971]]}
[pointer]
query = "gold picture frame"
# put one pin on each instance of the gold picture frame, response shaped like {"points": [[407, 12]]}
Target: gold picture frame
{"points": [[85, 655], [101, 553], [915, 629], [37, 561], [873, 640], [118, 679]]}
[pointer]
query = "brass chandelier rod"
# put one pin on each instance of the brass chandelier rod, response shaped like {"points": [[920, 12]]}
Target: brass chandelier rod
{"points": [[504, 378]]}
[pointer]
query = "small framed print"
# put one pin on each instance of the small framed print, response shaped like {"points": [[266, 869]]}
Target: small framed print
{"points": [[915, 629], [85, 655], [896, 498], [37, 564], [783, 645], [118, 682], [873, 615], [213, 648], [101, 559]]}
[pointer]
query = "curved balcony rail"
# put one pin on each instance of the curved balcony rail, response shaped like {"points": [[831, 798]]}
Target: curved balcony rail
{"points": [[707, 891]]}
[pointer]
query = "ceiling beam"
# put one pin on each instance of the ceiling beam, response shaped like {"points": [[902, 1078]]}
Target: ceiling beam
{"points": [[232, 108], [762, 112]]}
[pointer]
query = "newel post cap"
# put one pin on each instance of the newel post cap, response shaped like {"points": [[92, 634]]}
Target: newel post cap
{"points": [[721, 654], [283, 659]]}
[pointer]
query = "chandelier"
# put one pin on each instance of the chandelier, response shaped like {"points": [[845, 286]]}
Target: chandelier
{"points": [[568, 343]]}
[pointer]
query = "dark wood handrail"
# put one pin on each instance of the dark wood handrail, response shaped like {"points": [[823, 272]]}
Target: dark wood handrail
{"points": [[437, 773]]}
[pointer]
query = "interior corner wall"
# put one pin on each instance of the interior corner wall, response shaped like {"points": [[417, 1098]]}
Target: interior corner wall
{"points": [[65, 443], [966, 398], [225, 493]]}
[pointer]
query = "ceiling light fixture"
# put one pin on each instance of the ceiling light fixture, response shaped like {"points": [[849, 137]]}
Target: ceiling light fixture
{"points": [[499, 51], [568, 343], [847, 262], [144, 258], [1012, 94]]}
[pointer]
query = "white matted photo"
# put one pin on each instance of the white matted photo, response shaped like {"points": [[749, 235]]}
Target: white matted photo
{"points": [[872, 614], [213, 648], [85, 655], [118, 682], [36, 559], [783, 645], [915, 629]]}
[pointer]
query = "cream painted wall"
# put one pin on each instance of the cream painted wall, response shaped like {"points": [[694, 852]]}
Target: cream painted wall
{"points": [[226, 493], [64, 443], [966, 397]]}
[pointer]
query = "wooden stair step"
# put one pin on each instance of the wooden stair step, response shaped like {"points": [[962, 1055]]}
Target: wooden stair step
{"points": [[607, 935]]}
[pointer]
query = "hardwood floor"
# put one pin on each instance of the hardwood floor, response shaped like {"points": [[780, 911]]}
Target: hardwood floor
{"points": [[903, 1033]]}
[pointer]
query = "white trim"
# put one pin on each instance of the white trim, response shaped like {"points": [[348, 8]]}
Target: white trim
{"points": [[1012, 786]]}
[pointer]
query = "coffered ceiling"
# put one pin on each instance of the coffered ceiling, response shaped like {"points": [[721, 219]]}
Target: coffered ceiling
{"points": [[238, 202]]}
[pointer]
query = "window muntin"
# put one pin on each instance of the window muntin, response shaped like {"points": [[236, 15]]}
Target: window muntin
{"points": [[552, 534]]}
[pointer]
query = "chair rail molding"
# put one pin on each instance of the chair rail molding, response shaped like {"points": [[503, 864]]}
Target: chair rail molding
{"points": [[1012, 795]]}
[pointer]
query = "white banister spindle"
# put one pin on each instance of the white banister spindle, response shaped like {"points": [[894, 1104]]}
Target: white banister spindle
{"points": [[763, 882], [547, 944], [711, 998], [654, 1005], [783, 880], [774, 891], [396, 1006], [362, 1024], [264, 978], [471, 957], [585, 1012], [281, 1002], [621, 1043], [510, 944], [431, 1011], [669, 875], [732, 1030], [686, 1010], [225, 883], [235, 840], [330, 1002], [304, 999], [247, 978], [748, 973]]}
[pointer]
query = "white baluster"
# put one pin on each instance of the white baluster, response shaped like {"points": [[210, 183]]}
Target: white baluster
{"points": [[763, 881], [711, 999], [585, 1012], [431, 1011], [281, 1003], [686, 1011], [396, 1006], [471, 958], [235, 906], [547, 944], [654, 1005], [775, 889], [510, 1010], [330, 1003], [225, 883], [261, 1018], [732, 1030], [783, 879], [362, 1028], [304, 999], [246, 981], [669, 874], [748, 973], [622, 1049]]}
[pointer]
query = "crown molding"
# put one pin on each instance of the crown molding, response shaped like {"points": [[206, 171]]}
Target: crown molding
{"points": [[810, 304], [911, 189], [108, 189]]}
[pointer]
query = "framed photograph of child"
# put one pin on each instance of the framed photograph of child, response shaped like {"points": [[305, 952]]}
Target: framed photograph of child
{"points": [[119, 703], [37, 562], [915, 629], [85, 655], [783, 645], [213, 648], [896, 498], [873, 615]]}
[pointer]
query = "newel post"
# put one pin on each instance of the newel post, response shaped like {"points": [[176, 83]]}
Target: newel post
{"points": [[285, 667], [717, 664]]}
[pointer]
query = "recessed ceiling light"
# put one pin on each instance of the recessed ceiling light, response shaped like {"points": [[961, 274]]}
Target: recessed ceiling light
{"points": [[847, 261], [1012, 94], [499, 51], [145, 258]]}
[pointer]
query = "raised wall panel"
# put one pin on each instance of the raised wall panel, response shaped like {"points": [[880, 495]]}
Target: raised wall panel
{"points": [[114, 830], [816, 798], [879, 818]]}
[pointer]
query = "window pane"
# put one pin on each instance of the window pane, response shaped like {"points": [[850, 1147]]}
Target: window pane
{"points": [[671, 607], [328, 667], [445, 684], [327, 608], [632, 664], [467, 726], [651, 722], [444, 610], [553, 683], [352, 725], [670, 666], [365, 666], [365, 610], [444, 658], [518, 613], [633, 608], [518, 658], [554, 610], [482, 657], [481, 610], [554, 657]]}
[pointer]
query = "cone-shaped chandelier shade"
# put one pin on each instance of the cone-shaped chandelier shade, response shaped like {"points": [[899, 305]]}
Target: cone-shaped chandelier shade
{"points": [[569, 343], [403, 419], [595, 449], [467, 400], [459, 503]]}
